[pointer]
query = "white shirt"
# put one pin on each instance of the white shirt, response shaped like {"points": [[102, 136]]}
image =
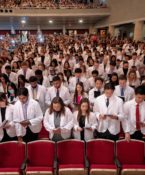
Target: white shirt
{"points": [[13, 77], [91, 82], [130, 114], [8, 116], [40, 96], [131, 63], [29, 73], [90, 122], [66, 123], [73, 82], [34, 115], [128, 92], [115, 108], [63, 93], [91, 95]]}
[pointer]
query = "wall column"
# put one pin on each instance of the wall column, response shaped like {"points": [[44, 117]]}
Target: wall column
{"points": [[92, 30], [138, 30], [111, 30]]}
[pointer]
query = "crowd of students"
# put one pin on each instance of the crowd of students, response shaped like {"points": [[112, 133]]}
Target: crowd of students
{"points": [[79, 86], [51, 4]]}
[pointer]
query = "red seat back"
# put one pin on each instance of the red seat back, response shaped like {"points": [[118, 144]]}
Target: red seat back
{"points": [[100, 151], [130, 152], [12, 154], [41, 153], [70, 152]]}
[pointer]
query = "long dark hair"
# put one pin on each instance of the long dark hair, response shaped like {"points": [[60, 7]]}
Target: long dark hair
{"points": [[22, 77], [57, 100], [83, 100], [3, 97], [5, 77], [14, 88], [76, 93]]}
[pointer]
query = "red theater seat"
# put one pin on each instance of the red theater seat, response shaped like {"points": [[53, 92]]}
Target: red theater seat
{"points": [[43, 134], [71, 157], [101, 158], [12, 155], [40, 157], [131, 156]]}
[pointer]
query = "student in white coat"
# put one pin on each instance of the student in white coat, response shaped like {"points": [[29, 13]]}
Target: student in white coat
{"points": [[37, 92], [109, 112], [13, 77], [78, 78], [7, 127], [96, 91], [27, 72], [85, 121], [134, 110], [58, 120], [123, 90], [58, 90], [27, 117], [41, 79]]}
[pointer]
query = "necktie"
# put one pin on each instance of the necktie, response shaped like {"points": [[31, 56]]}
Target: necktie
{"points": [[34, 93], [25, 111], [57, 93], [122, 92], [78, 80], [107, 102], [24, 73], [137, 117]]}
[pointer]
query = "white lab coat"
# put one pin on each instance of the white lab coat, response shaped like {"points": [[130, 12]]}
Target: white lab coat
{"points": [[91, 95], [128, 92], [8, 116], [63, 93], [115, 108], [34, 115], [13, 77], [46, 60], [73, 82], [41, 93], [66, 123], [29, 73], [91, 123], [130, 114]]}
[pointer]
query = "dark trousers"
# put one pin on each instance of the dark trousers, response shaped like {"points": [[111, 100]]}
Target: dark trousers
{"points": [[30, 136], [6, 137], [106, 135], [137, 135]]}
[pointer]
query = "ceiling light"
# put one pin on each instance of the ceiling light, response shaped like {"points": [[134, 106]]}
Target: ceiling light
{"points": [[23, 21], [50, 21], [81, 21]]}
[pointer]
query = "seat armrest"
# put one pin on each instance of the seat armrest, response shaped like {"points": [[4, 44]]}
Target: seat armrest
{"points": [[23, 166], [55, 167], [86, 163], [117, 163]]}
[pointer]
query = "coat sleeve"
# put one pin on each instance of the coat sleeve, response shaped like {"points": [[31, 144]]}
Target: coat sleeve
{"points": [[93, 121], [125, 122], [67, 99], [38, 115], [96, 109], [76, 126], [69, 116], [46, 121], [48, 97]]}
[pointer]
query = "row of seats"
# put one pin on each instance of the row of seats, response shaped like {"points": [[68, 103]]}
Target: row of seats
{"points": [[73, 157]]}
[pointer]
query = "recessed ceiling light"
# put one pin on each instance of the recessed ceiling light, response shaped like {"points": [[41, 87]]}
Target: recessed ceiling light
{"points": [[23, 21], [81, 21], [50, 21]]}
